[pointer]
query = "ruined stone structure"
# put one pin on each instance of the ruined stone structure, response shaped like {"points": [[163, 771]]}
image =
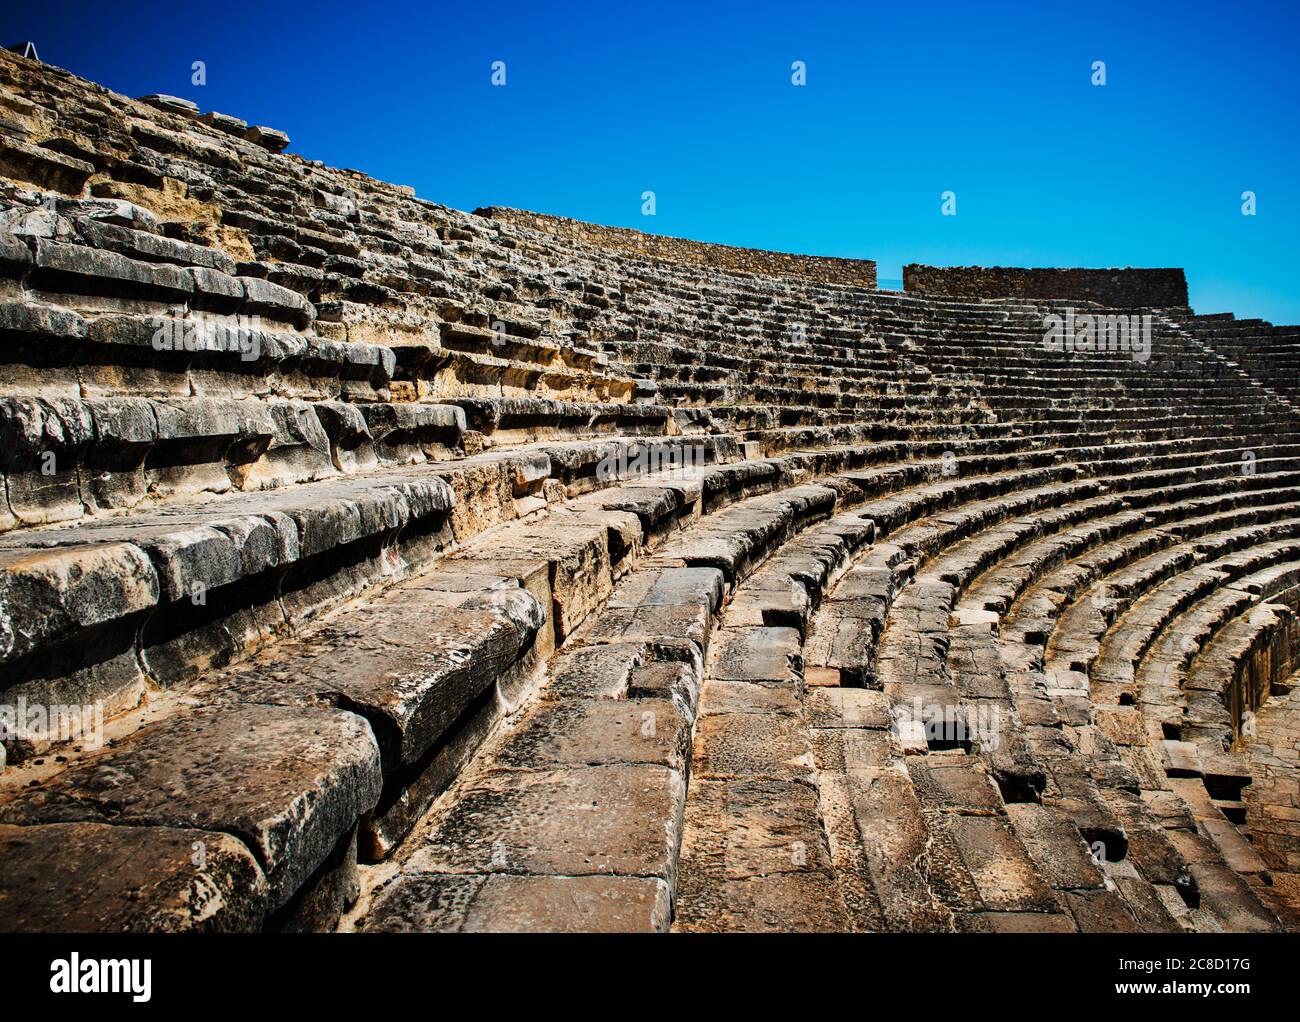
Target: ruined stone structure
{"points": [[859, 272], [1119, 289], [369, 565]]}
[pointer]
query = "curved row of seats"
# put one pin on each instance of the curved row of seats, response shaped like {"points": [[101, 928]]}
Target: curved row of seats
{"points": [[951, 519], [791, 736], [416, 675], [1266, 352]]}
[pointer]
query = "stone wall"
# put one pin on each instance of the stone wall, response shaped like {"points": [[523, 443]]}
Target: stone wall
{"points": [[1117, 288], [859, 272]]}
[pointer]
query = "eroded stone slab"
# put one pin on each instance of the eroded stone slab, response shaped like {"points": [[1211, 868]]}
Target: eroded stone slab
{"points": [[411, 664], [757, 654], [501, 903], [754, 858], [599, 732], [596, 671], [289, 781], [768, 745], [1056, 847], [832, 707], [984, 867], [99, 878], [622, 820]]}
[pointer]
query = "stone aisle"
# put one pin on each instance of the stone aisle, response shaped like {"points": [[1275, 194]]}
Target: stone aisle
{"points": [[754, 854]]}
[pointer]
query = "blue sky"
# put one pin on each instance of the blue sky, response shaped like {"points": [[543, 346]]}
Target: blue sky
{"points": [[694, 101]]}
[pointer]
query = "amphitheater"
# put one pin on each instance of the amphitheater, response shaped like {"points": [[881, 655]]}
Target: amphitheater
{"points": [[367, 565]]}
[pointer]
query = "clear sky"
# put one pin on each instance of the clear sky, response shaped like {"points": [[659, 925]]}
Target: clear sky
{"points": [[694, 101]]}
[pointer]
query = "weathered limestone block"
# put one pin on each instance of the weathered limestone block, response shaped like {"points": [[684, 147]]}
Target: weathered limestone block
{"points": [[97, 878], [262, 298], [735, 540], [770, 655], [1182, 759], [754, 859], [49, 596], [1015, 922], [218, 291], [977, 864], [786, 604], [954, 785], [412, 663], [42, 442], [738, 735], [1069, 791], [411, 433], [289, 782], [224, 122], [125, 431], [501, 903], [101, 233], [34, 218], [351, 444], [1063, 860], [81, 270], [676, 674], [195, 550], [68, 625], [43, 167], [196, 436], [421, 361], [120, 355], [619, 820], [298, 449], [15, 257], [896, 842], [841, 750], [623, 533], [728, 697], [651, 605], [661, 509], [579, 556], [172, 104], [326, 894], [847, 708], [1231, 900], [432, 692], [1100, 911], [600, 671], [231, 579], [109, 211], [268, 138], [333, 514], [578, 732]]}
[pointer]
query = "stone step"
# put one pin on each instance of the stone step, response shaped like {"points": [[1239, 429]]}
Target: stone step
{"points": [[1158, 916], [613, 726], [1147, 858], [67, 460], [431, 696], [288, 783]]}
